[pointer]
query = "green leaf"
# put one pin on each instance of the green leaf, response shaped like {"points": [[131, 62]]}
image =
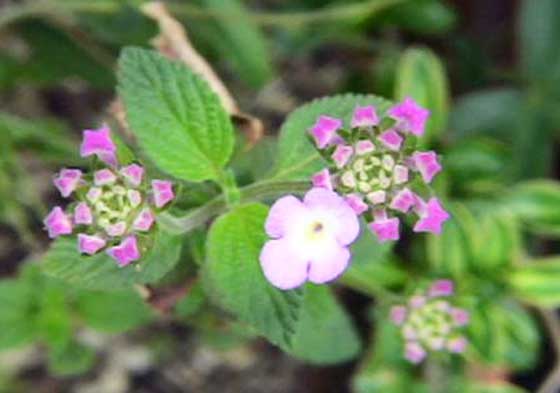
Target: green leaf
{"points": [[491, 111], [178, 119], [450, 253], [538, 281], [503, 334], [325, 334], [536, 203], [493, 387], [72, 359], [422, 76], [297, 157], [233, 277], [192, 302], [240, 41], [48, 45], [372, 259], [100, 271], [53, 319], [112, 312], [16, 314], [423, 16], [539, 28]]}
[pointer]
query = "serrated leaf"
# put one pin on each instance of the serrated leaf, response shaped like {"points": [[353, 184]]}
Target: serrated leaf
{"points": [[422, 76], [233, 276], [177, 118], [112, 312], [297, 157], [325, 334], [538, 282], [100, 272]]}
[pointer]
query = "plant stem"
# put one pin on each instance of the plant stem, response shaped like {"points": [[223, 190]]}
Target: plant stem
{"points": [[552, 382], [251, 193], [345, 12]]}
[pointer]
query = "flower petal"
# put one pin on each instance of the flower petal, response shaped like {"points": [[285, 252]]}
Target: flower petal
{"points": [[356, 203], [283, 266], [391, 140], [342, 154], [386, 229], [324, 130], [126, 252], [329, 264], [82, 214], [58, 223], [322, 179], [284, 215], [144, 221], [410, 116], [334, 209], [98, 142], [133, 174], [432, 216], [414, 352], [90, 244], [67, 181], [364, 116], [163, 192], [427, 164]]}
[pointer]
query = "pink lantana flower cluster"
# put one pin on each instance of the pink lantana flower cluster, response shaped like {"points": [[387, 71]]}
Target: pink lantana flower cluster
{"points": [[374, 166], [115, 205], [429, 322]]}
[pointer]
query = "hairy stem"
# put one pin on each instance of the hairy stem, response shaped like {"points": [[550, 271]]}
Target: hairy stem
{"points": [[251, 193]]}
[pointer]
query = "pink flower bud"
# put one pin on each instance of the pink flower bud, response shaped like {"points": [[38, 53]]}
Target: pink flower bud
{"points": [[58, 223], [364, 116], [163, 192], [90, 244], [67, 181], [126, 252], [324, 130]]}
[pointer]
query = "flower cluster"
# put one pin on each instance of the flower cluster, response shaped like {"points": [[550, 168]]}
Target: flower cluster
{"points": [[374, 166], [115, 205], [310, 239], [430, 323]]}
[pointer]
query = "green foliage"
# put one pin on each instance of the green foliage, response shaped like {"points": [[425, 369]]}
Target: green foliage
{"points": [[422, 76], [373, 266], [423, 16], [234, 277], [307, 322], [178, 120], [537, 281], [70, 359], [102, 273], [113, 312], [297, 158], [536, 203], [503, 334], [484, 242], [325, 334], [539, 28], [237, 39]]}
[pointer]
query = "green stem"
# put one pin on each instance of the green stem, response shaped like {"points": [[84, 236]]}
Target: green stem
{"points": [[254, 192], [345, 12]]}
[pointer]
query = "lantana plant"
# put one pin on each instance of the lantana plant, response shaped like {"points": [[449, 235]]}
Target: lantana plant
{"points": [[114, 208], [374, 164]]}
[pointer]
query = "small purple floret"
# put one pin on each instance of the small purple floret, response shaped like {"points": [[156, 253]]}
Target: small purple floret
{"points": [[126, 252], [133, 174], [67, 181], [324, 130], [90, 244], [432, 216], [58, 223], [322, 179], [98, 142], [410, 116], [427, 164], [365, 116], [163, 192]]}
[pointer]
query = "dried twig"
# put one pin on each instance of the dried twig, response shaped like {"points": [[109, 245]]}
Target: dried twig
{"points": [[173, 42], [552, 382]]}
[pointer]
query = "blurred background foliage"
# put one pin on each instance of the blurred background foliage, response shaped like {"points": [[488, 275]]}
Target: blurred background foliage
{"points": [[488, 71]]}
